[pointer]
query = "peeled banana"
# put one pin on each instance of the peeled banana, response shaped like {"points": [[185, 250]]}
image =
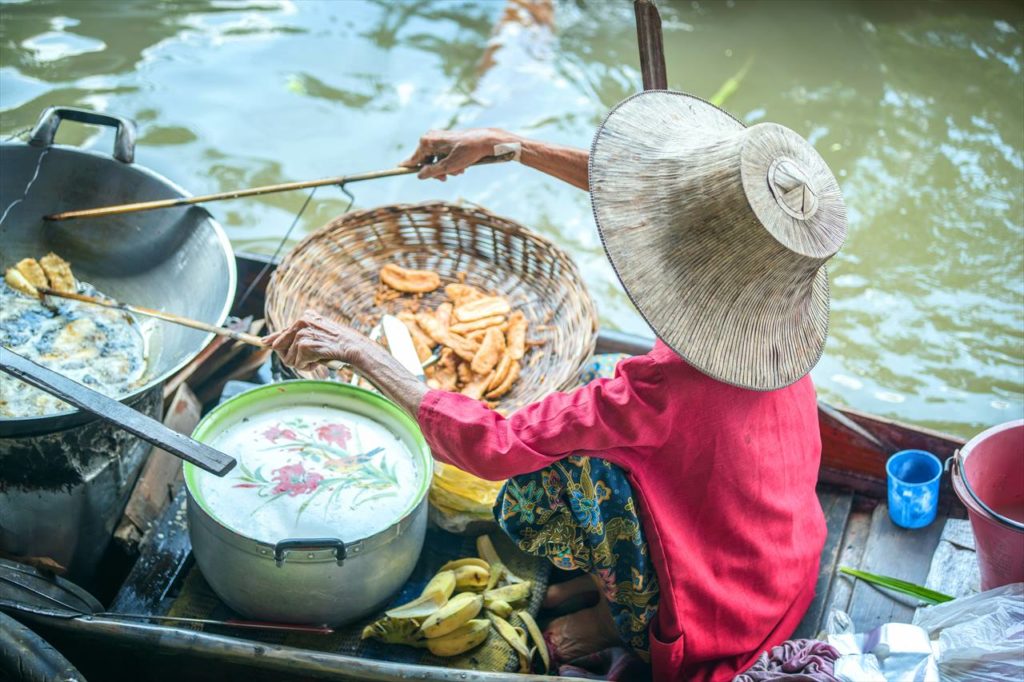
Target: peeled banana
{"points": [[434, 595], [459, 610], [470, 635], [468, 561], [510, 593]]}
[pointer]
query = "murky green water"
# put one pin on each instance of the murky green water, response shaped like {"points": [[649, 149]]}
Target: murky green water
{"points": [[918, 107]]}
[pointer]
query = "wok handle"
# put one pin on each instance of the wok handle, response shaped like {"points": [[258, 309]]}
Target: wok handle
{"points": [[282, 548], [46, 129]]}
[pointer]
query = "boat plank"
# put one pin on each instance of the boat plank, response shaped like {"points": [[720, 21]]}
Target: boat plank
{"points": [[836, 505], [858, 526], [894, 552], [954, 569]]}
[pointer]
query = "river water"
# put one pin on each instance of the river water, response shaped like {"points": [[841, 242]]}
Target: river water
{"points": [[918, 107]]}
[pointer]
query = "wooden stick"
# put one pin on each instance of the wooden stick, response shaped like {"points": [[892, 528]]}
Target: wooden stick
{"points": [[652, 51], [251, 339], [149, 312], [250, 192]]}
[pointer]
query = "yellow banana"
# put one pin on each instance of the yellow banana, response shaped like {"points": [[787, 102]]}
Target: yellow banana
{"points": [[460, 609], [468, 561], [434, 595], [471, 578], [472, 634], [499, 607], [510, 593], [443, 583], [537, 636]]}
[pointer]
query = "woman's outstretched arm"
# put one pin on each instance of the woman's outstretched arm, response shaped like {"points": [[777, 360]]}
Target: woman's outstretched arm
{"points": [[462, 148]]}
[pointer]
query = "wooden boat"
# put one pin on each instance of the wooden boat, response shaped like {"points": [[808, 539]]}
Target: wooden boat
{"points": [[851, 490]]}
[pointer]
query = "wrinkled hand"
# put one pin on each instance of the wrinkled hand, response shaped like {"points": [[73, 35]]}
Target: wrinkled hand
{"points": [[460, 149], [313, 339]]}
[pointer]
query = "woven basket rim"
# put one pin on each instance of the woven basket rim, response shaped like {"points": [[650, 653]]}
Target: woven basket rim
{"points": [[462, 218]]}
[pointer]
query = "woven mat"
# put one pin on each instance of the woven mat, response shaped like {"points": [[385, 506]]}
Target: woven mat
{"points": [[197, 600]]}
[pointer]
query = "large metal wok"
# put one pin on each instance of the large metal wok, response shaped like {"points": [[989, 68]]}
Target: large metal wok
{"points": [[64, 478]]}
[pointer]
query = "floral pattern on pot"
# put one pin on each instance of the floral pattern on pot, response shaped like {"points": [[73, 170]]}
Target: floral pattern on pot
{"points": [[319, 462]]}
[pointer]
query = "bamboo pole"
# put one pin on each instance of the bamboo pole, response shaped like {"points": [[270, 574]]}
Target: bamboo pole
{"points": [[652, 50], [121, 209]]}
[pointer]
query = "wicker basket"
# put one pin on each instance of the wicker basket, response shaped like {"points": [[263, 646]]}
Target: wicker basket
{"points": [[335, 271]]}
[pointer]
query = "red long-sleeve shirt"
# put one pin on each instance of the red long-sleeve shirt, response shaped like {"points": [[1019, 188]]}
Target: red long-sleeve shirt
{"points": [[725, 479]]}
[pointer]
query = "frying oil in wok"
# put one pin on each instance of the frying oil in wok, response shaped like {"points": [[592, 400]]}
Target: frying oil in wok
{"points": [[97, 347]]}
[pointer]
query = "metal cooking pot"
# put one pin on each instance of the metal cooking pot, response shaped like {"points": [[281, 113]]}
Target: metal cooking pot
{"points": [[320, 555], [64, 478]]}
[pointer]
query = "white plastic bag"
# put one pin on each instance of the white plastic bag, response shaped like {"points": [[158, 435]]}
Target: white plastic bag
{"points": [[980, 637]]}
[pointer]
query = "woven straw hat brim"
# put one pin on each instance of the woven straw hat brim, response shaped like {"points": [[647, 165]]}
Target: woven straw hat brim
{"points": [[758, 323]]}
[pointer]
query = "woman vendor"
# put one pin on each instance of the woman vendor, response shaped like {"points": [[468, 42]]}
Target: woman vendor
{"points": [[685, 484]]}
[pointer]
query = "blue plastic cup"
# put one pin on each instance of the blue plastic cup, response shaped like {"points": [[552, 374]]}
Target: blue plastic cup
{"points": [[913, 487]]}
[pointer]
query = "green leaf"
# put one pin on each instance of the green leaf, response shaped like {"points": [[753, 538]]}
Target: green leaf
{"points": [[731, 85], [923, 593]]}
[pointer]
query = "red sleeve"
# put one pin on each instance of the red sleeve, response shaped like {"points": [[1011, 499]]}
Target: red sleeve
{"points": [[619, 419]]}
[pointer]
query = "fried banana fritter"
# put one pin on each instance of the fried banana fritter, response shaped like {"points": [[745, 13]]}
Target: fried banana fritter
{"points": [[58, 272], [33, 272], [409, 281]]}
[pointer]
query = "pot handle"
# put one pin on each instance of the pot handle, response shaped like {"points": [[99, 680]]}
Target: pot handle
{"points": [[49, 121], [282, 548]]}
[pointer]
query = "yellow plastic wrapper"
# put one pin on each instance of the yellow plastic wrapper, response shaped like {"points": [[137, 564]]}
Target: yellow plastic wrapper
{"points": [[455, 492]]}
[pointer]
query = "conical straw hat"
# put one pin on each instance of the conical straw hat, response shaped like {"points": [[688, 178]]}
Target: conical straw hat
{"points": [[719, 233]]}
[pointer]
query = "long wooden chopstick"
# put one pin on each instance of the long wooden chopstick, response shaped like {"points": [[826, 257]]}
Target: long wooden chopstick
{"points": [[243, 337], [120, 209]]}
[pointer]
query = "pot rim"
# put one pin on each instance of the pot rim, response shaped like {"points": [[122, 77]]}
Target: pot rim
{"points": [[361, 546], [26, 426]]}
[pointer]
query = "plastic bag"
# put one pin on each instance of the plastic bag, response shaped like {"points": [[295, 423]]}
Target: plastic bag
{"points": [[894, 652], [980, 637]]}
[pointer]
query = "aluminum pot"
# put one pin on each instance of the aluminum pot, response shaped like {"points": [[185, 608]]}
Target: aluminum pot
{"points": [[65, 478], [303, 445]]}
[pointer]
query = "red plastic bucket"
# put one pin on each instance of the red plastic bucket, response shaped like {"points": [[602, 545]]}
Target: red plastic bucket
{"points": [[988, 477]]}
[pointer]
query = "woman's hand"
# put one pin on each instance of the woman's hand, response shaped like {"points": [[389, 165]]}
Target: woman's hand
{"points": [[313, 339], [460, 149]]}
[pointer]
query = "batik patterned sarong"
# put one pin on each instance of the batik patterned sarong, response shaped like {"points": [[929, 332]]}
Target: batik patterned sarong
{"points": [[580, 513]]}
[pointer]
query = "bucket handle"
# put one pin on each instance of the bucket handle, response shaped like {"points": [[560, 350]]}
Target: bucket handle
{"points": [[956, 462]]}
